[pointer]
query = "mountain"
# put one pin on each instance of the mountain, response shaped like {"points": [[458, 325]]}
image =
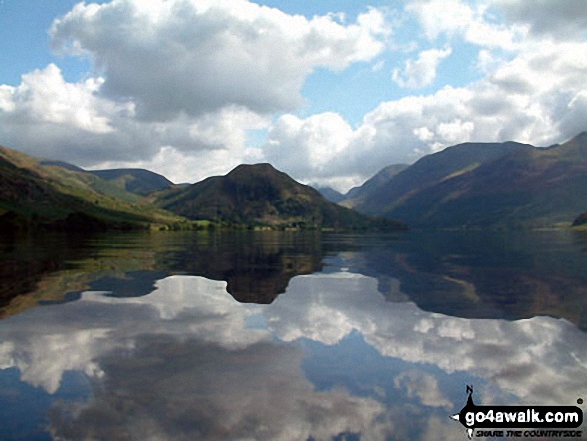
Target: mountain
{"points": [[260, 195], [356, 194], [429, 171], [135, 180], [489, 185], [41, 196], [62, 164], [132, 180], [330, 194]]}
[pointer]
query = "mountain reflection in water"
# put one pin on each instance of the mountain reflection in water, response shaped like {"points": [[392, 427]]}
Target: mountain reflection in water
{"points": [[360, 337]]}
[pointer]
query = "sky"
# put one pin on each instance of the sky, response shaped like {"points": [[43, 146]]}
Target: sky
{"points": [[327, 91]]}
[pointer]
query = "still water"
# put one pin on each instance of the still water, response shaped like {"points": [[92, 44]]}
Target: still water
{"points": [[285, 336]]}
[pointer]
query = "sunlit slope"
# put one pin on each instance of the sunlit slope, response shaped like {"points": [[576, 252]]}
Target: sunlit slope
{"points": [[33, 195]]}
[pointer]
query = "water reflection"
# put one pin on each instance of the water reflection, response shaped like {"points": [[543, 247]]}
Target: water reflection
{"points": [[329, 358], [471, 275], [287, 336], [256, 266], [482, 274]]}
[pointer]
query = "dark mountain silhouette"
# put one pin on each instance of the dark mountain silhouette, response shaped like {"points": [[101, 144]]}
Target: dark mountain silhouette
{"points": [[429, 171], [489, 185], [263, 196], [580, 220]]}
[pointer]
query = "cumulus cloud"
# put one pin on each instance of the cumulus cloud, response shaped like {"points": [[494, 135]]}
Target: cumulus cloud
{"points": [[470, 21], [183, 80], [537, 97], [422, 71], [561, 19], [178, 85], [196, 57], [47, 116]]}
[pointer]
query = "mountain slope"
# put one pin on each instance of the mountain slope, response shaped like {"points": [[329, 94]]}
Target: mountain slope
{"points": [[330, 194], [261, 195], [37, 196], [429, 171], [135, 180], [527, 187], [356, 195]]}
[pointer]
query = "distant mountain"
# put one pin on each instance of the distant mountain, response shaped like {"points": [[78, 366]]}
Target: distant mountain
{"points": [[356, 194], [135, 180], [489, 185], [40, 195], [429, 171], [263, 196], [330, 194]]}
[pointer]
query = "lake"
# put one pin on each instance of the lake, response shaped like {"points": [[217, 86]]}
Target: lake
{"points": [[285, 335]]}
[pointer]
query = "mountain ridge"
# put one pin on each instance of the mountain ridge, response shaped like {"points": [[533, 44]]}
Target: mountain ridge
{"points": [[259, 194], [520, 186]]}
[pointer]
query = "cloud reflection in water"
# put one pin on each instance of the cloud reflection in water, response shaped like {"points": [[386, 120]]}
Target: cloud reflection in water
{"points": [[183, 362]]}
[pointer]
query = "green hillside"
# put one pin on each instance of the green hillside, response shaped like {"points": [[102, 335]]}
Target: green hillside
{"points": [[134, 180], [260, 195], [37, 196]]}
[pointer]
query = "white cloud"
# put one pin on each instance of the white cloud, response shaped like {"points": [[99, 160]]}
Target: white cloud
{"points": [[174, 79], [47, 116], [422, 71], [441, 16], [44, 97], [468, 20], [565, 19], [179, 84], [197, 57], [536, 97]]}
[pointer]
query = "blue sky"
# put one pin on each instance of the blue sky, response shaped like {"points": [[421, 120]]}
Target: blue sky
{"points": [[329, 92]]}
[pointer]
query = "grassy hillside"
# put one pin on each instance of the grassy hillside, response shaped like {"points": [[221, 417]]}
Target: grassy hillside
{"points": [[260, 195], [134, 180], [37, 196]]}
